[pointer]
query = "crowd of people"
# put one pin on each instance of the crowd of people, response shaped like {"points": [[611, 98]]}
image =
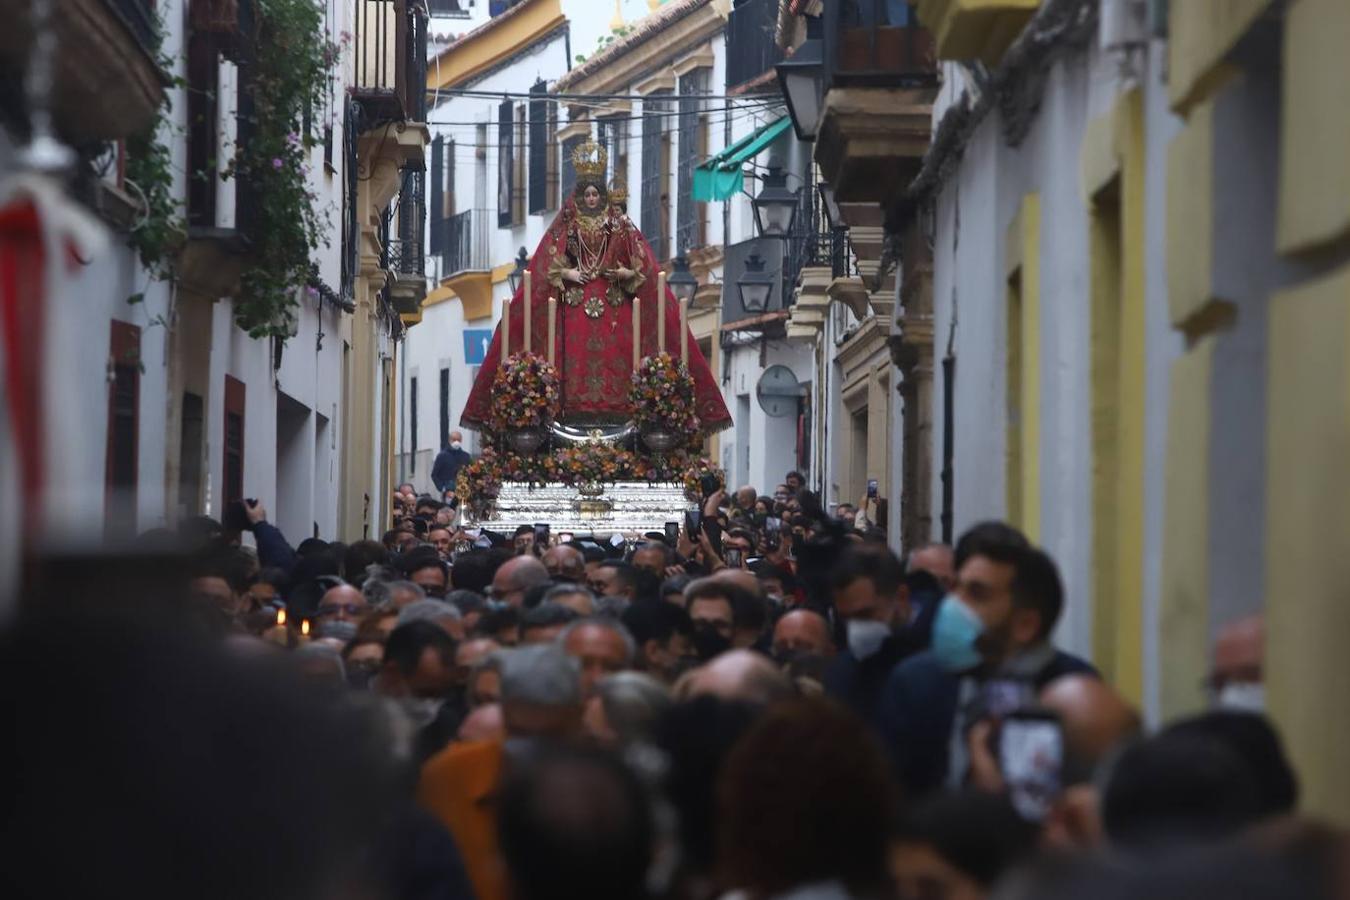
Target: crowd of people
{"points": [[762, 702]]}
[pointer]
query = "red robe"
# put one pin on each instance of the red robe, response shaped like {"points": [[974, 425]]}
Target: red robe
{"points": [[595, 355]]}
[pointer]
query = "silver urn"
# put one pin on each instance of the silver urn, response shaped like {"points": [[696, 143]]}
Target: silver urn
{"points": [[660, 441], [526, 440]]}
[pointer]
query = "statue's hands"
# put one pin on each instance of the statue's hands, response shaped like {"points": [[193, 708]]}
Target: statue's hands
{"points": [[622, 273], [572, 275]]}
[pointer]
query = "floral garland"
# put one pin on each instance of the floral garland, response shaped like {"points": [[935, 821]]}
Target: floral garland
{"points": [[480, 481], [526, 393], [662, 396]]}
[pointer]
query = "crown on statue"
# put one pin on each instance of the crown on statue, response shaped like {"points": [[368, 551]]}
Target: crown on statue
{"points": [[618, 191], [590, 160]]}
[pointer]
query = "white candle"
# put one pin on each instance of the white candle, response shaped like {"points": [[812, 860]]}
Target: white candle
{"points": [[527, 345], [684, 331], [637, 333], [552, 324], [506, 329], [661, 313]]}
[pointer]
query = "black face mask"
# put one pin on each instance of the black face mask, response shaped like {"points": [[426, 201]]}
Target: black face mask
{"points": [[708, 643]]}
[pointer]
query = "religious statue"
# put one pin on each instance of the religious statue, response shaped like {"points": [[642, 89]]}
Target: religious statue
{"points": [[597, 266]]}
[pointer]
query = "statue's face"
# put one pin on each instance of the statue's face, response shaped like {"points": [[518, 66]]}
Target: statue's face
{"points": [[590, 198]]}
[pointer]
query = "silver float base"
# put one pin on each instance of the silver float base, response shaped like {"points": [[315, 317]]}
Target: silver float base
{"points": [[623, 507]]}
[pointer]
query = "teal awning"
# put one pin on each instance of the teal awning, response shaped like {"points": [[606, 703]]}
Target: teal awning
{"points": [[719, 177]]}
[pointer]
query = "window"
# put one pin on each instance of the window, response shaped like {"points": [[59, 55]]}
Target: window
{"points": [[506, 127], [412, 424], [655, 173], [124, 402], [539, 141], [520, 175], [232, 482], [444, 435], [192, 442], [689, 228], [437, 192], [203, 70], [453, 8], [613, 135]]}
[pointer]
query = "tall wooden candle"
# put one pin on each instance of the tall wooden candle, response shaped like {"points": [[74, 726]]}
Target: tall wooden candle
{"points": [[528, 345], [684, 331], [661, 313], [637, 333], [552, 325], [506, 329]]}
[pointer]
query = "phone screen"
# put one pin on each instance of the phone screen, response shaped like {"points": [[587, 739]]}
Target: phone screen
{"points": [[693, 521], [871, 487], [1031, 756], [733, 557], [541, 534], [672, 533]]}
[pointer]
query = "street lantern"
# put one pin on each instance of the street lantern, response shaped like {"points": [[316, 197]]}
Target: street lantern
{"points": [[517, 275], [682, 282], [755, 285], [776, 206], [801, 78]]}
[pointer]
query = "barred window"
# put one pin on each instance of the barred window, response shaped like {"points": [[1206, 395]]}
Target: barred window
{"points": [[539, 141], [656, 172], [689, 230], [506, 169]]}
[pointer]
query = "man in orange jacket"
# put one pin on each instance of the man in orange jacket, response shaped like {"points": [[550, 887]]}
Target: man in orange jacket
{"points": [[541, 701]]}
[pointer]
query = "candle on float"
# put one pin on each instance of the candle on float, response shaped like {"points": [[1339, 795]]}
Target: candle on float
{"points": [[526, 346], [684, 330], [661, 313], [506, 329], [304, 629], [637, 333], [552, 325], [281, 617]]}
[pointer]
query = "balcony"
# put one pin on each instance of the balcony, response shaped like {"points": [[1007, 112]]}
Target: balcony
{"points": [[401, 242], [219, 210], [879, 75], [976, 29], [107, 83], [390, 41], [461, 241], [751, 50]]}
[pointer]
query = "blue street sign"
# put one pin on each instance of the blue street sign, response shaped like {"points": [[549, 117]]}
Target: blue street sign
{"points": [[476, 341]]}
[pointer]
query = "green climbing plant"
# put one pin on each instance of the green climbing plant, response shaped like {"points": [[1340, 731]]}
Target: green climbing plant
{"points": [[291, 63]]}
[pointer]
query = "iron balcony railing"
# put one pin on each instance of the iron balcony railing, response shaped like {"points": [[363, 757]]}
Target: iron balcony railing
{"points": [[404, 226], [389, 38], [876, 42], [212, 37], [462, 242], [751, 49]]}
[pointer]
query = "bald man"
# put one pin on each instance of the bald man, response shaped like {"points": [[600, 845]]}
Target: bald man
{"points": [[737, 675], [802, 631], [565, 563], [515, 577], [343, 603], [445, 470]]}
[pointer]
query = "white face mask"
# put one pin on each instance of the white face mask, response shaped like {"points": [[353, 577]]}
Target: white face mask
{"points": [[455, 445], [1242, 696], [865, 636]]}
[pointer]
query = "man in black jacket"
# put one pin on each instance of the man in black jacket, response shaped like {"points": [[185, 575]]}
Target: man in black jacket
{"points": [[871, 606], [446, 468], [991, 653]]}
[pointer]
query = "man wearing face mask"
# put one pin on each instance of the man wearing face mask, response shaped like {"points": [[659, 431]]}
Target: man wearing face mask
{"points": [[445, 470], [991, 653], [1235, 680], [871, 609], [418, 673]]}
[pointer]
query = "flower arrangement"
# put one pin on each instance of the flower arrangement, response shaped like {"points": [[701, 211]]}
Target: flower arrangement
{"points": [[662, 396], [526, 393], [480, 481], [693, 477]]}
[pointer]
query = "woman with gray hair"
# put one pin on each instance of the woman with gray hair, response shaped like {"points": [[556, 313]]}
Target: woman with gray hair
{"points": [[626, 708]]}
